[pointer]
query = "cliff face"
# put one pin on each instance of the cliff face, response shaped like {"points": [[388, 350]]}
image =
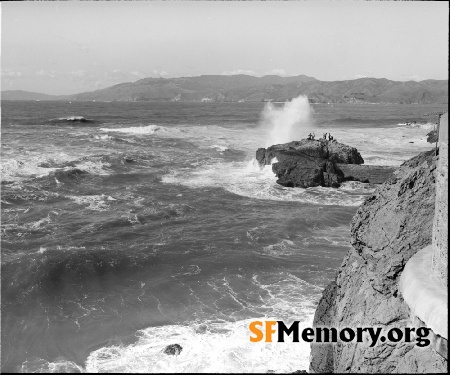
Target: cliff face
{"points": [[388, 228]]}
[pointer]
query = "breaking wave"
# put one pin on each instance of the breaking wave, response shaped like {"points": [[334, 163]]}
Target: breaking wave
{"points": [[426, 126], [71, 119], [59, 165], [149, 129], [248, 179]]}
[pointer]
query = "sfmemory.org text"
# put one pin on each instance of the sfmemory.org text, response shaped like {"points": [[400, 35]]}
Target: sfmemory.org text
{"points": [[278, 331]]}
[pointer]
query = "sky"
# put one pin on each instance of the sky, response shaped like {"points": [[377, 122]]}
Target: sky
{"points": [[71, 47]]}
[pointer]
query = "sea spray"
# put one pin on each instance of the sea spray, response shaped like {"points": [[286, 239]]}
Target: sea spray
{"points": [[289, 122]]}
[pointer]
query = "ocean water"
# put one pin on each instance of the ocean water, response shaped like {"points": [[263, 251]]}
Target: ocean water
{"points": [[149, 224]]}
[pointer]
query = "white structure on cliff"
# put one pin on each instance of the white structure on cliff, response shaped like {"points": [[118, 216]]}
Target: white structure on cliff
{"points": [[424, 281]]}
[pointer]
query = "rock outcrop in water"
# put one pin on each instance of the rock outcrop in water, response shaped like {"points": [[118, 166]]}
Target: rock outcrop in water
{"points": [[310, 163], [173, 349], [432, 136], [388, 229]]}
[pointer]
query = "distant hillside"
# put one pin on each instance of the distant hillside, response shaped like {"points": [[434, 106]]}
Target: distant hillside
{"points": [[219, 88], [27, 95]]}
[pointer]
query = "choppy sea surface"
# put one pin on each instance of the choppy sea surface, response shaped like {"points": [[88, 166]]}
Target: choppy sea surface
{"points": [[148, 224]]}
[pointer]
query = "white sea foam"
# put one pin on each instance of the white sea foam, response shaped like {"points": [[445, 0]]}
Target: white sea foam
{"points": [[57, 367], [426, 126], [191, 269], [42, 250], [207, 348], [15, 169], [283, 248], [220, 148], [250, 180], [72, 118], [93, 165], [212, 345], [385, 146], [39, 223], [93, 202], [217, 346], [40, 165], [149, 129], [331, 236], [104, 137]]}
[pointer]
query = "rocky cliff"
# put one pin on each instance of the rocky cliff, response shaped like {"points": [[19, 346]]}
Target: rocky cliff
{"points": [[388, 228]]}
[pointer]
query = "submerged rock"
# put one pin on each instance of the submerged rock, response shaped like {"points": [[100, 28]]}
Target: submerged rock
{"points": [[173, 349], [310, 163], [387, 230]]}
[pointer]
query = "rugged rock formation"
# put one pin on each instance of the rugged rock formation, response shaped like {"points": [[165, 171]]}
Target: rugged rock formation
{"points": [[432, 136], [389, 227], [375, 174], [321, 149], [309, 163], [173, 349]]}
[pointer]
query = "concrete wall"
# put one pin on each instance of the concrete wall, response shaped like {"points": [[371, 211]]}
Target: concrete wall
{"points": [[440, 223]]}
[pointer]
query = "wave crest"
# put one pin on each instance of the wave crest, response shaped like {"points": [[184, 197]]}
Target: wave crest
{"points": [[250, 180], [149, 129], [71, 119]]}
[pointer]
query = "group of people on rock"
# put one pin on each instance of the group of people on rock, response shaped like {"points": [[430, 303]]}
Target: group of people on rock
{"points": [[330, 137], [326, 136]]}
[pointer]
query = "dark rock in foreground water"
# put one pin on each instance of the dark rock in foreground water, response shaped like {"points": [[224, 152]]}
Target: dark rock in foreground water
{"points": [[173, 349], [310, 163]]}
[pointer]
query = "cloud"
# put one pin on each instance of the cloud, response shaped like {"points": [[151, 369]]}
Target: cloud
{"points": [[137, 74], [115, 74], [77, 74], [10, 77], [51, 62], [366, 74], [160, 73], [45, 73], [413, 77], [241, 71], [249, 72], [277, 72], [11, 73], [80, 46]]}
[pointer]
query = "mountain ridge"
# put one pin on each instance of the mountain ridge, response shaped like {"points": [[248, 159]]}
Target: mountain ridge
{"points": [[245, 88]]}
